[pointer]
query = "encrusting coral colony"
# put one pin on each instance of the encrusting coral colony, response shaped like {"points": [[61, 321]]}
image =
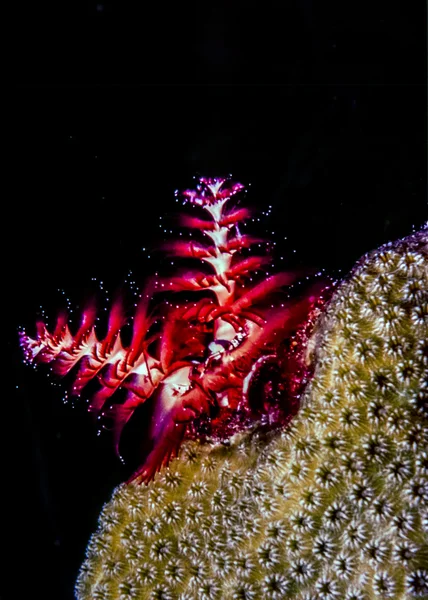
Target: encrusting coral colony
{"points": [[332, 505]]}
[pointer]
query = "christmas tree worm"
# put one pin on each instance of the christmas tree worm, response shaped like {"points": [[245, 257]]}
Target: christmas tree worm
{"points": [[197, 359]]}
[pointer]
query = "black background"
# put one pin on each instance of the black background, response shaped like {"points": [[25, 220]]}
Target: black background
{"points": [[319, 106]]}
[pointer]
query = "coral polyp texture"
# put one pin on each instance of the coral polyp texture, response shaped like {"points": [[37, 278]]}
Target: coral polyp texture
{"points": [[197, 358], [333, 506]]}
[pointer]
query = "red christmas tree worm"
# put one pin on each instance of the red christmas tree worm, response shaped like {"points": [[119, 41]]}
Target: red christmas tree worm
{"points": [[198, 357]]}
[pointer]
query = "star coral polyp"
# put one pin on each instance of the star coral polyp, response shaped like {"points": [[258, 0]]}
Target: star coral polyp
{"points": [[198, 358]]}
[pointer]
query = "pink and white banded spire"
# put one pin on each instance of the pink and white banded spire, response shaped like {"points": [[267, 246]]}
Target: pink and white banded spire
{"points": [[190, 355]]}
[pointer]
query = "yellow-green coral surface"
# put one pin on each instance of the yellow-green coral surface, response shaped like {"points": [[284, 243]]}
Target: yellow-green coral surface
{"points": [[333, 507]]}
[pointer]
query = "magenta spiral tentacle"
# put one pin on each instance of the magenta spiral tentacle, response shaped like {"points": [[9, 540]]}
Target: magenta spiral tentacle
{"points": [[193, 357]]}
